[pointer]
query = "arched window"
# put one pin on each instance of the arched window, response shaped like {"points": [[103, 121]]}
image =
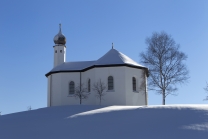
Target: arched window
{"points": [[134, 83], [110, 83], [71, 87], [89, 85]]}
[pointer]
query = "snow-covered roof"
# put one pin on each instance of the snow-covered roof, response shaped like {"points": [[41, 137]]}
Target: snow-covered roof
{"points": [[111, 58], [73, 66], [115, 57]]}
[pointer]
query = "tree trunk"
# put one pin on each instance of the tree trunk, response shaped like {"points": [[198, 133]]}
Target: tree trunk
{"points": [[80, 101], [100, 100], [163, 95]]}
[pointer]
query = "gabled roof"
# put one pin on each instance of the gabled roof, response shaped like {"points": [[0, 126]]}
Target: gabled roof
{"points": [[111, 59]]}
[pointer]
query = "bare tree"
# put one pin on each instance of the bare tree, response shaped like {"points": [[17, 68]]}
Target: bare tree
{"points": [[206, 89], [81, 93], [29, 108], [99, 88], [165, 63], [142, 84]]}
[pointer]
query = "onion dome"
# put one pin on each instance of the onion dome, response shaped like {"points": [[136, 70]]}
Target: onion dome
{"points": [[60, 38]]}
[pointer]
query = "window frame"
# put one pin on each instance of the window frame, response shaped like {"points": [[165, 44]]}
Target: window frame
{"points": [[71, 87], [134, 84], [110, 83]]}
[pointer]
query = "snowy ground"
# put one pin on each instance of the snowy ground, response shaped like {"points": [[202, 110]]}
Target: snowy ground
{"points": [[113, 122]]}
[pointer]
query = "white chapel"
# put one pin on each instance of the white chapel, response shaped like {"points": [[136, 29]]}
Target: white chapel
{"points": [[125, 79]]}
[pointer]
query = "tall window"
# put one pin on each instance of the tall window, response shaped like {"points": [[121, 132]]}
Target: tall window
{"points": [[110, 83], [134, 83], [71, 87], [89, 85]]}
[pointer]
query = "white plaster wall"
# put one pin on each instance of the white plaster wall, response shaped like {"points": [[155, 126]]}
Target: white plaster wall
{"points": [[90, 74], [117, 96], [134, 97], [56, 90], [59, 57], [121, 95], [62, 84], [66, 78], [48, 89]]}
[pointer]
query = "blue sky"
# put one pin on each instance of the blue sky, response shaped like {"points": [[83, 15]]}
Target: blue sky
{"points": [[27, 29]]}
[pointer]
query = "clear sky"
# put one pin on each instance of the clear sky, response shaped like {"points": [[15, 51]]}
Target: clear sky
{"points": [[27, 29]]}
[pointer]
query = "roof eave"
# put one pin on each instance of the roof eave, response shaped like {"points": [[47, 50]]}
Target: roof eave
{"points": [[99, 66]]}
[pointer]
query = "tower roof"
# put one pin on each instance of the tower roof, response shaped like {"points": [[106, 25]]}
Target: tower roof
{"points": [[60, 38], [112, 58]]}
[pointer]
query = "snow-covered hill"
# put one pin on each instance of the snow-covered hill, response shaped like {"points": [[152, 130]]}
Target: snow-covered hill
{"points": [[113, 122]]}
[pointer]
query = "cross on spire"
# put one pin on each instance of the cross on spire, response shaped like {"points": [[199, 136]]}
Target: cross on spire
{"points": [[60, 27], [112, 45]]}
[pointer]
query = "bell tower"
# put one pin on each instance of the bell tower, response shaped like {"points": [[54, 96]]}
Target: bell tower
{"points": [[59, 48]]}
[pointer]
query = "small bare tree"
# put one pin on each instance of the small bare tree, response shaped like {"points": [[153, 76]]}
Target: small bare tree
{"points": [[29, 108], [142, 85], [81, 93], [206, 89], [165, 63], [99, 88]]}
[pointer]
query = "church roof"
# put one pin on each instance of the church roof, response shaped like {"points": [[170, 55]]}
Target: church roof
{"points": [[73, 66], [115, 57], [111, 59]]}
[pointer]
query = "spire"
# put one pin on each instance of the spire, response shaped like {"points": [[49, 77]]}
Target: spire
{"points": [[60, 27], [112, 45]]}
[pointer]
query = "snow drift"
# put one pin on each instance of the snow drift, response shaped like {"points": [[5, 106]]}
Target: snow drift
{"points": [[113, 122]]}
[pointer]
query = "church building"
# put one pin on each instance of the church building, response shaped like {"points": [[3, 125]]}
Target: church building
{"points": [[124, 79]]}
